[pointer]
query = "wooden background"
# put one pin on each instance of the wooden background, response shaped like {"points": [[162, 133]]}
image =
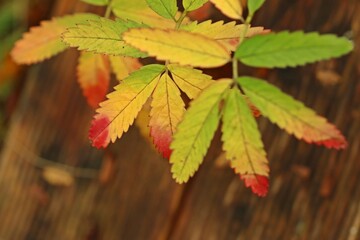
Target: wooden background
{"points": [[127, 192]]}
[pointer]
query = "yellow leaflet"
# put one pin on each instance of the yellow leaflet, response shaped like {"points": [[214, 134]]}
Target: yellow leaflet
{"points": [[191, 81], [167, 111], [93, 76], [241, 137], [196, 131], [227, 34], [123, 66], [142, 122], [230, 8], [179, 47]]}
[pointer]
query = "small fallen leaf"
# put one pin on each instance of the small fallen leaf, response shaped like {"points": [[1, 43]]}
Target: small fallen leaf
{"points": [[58, 177]]}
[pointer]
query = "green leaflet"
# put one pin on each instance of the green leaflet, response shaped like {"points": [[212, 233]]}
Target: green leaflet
{"points": [[97, 2], [191, 5], [241, 137], [254, 5], [103, 36], [287, 49], [290, 114], [165, 8], [194, 133]]}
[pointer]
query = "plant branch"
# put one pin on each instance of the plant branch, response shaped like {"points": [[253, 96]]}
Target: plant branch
{"points": [[181, 19], [108, 9], [241, 39]]}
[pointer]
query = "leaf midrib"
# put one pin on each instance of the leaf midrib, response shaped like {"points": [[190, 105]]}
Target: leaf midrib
{"points": [[178, 47]]}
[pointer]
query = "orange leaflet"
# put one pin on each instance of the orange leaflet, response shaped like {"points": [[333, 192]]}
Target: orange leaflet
{"points": [[93, 76], [167, 111]]}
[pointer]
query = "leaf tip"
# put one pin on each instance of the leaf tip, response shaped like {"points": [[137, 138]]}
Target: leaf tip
{"points": [[161, 140], [335, 143], [258, 184], [99, 132]]}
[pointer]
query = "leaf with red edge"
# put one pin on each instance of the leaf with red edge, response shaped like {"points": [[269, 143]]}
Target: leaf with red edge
{"points": [[291, 115], [99, 131], [44, 41], [123, 66], [167, 111], [116, 114], [93, 76], [258, 184], [242, 140]]}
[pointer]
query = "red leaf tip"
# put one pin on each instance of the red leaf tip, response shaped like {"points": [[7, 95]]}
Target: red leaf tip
{"points": [[99, 132], [161, 140], [336, 143], [259, 184]]}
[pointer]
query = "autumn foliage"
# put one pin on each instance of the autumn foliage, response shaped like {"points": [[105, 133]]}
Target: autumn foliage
{"points": [[156, 28]]}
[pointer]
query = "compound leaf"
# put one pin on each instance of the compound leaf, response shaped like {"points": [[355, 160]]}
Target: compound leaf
{"points": [[195, 132], [242, 142], [191, 81], [287, 49], [167, 109], [116, 114], [93, 76], [291, 115], [230, 8], [123, 66], [178, 47], [102, 36], [165, 8], [44, 41]]}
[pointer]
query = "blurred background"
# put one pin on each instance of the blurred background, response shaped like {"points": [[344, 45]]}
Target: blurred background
{"points": [[54, 185]]}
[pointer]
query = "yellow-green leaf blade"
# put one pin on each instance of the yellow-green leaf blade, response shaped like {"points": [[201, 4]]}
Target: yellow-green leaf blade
{"points": [[191, 5], [191, 81], [116, 114], [102, 36], [225, 33], [291, 115], [254, 5], [287, 49], [139, 11], [180, 47], [242, 142], [167, 109], [44, 41], [165, 8], [195, 132], [230, 8]]}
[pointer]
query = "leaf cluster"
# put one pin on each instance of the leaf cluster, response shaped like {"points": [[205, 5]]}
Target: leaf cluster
{"points": [[156, 28]]}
